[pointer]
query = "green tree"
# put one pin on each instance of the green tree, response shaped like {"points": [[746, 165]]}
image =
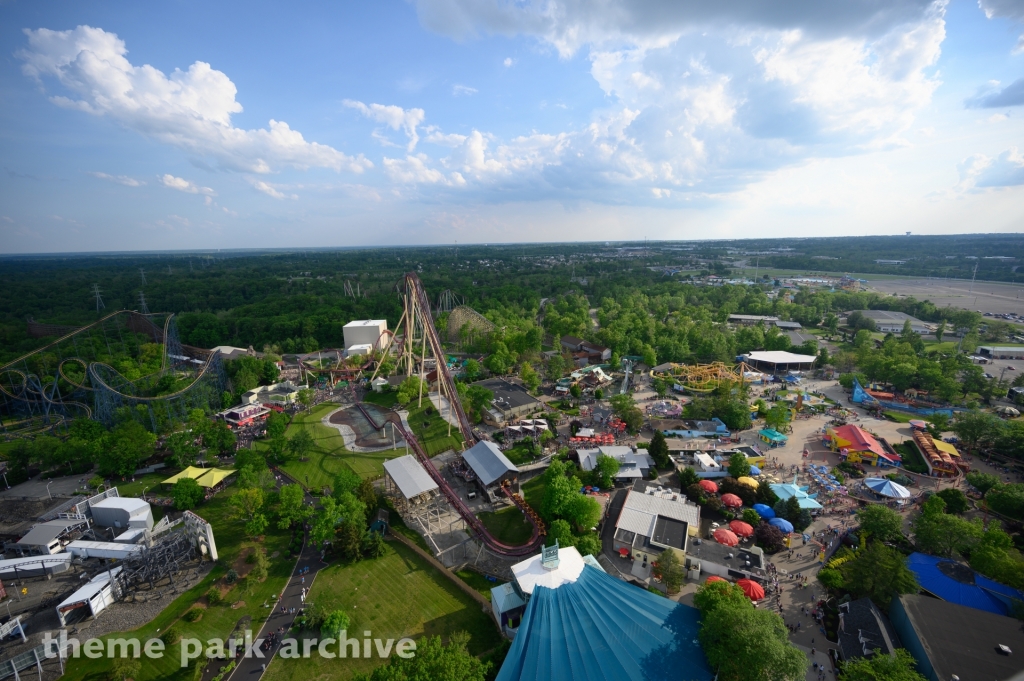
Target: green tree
{"points": [[183, 448], [956, 501], [246, 503], [560, 531], [124, 668], [306, 397], [711, 596], [335, 623], [476, 399], [366, 493], [411, 389], [880, 667], [765, 494], [530, 378], [325, 520], [187, 494], [605, 470], [1007, 499], [589, 544], [124, 448], [291, 509], [471, 370], [433, 660], [750, 517], [747, 644], [995, 557], [940, 533], [831, 579], [301, 444], [658, 450], [982, 482], [975, 427], [277, 424], [687, 477], [880, 522], [738, 466], [575, 391], [832, 325], [940, 331], [582, 511], [500, 361], [880, 573], [556, 367], [777, 417], [671, 569], [256, 525]]}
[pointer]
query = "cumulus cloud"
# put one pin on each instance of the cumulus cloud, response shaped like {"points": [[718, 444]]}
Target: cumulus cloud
{"points": [[981, 172], [1005, 9], [183, 185], [395, 117], [992, 96], [120, 179], [509, 61], [271, 191], [570, 24], [189, 109], [703, 98], [415, 170]]}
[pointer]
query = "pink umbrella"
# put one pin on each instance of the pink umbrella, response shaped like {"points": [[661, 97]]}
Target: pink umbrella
{"points": [[753, 590], [731, 500], [727, 537], [713, 578], [708, 486], [741, 528]]}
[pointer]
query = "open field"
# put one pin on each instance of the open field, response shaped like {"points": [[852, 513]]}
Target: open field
{"points": [[983, 296], [217, 621], [395, 596]]}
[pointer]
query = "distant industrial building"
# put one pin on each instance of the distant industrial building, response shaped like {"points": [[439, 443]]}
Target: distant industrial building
{"points": [[890, 262], [887, 321], [1001, 352], [364, 331], [751, 319]]}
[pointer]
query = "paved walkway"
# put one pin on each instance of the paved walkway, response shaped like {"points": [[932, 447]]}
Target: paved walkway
{"points": [[252, 668]]}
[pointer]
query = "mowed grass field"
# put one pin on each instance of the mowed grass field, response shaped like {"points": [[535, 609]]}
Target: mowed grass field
{"points": [[509, 525], [330, 456], [217, 621], [395, 596]]}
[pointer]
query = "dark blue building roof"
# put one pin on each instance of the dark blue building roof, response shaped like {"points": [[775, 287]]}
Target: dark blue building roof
{"points": [[957, 583], [600, 628]]}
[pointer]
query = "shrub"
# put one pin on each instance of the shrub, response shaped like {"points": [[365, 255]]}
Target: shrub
{"points": [[193, 615], [831, 579], [214, 597], [171, 636], [231, 577]]}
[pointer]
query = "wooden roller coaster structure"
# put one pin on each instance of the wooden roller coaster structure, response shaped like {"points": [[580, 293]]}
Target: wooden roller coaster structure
{"points": [[417, 317]]}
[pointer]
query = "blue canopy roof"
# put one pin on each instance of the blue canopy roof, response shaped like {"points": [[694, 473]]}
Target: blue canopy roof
{"points": [[600, 628], [957, 583]]}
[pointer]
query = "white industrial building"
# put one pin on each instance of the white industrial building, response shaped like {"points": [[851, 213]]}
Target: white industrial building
{"points": [[123, 513], [95, 595], [364, 331]]}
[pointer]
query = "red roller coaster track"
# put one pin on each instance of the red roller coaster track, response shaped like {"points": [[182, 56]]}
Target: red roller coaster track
{"points": [[417, 298]]}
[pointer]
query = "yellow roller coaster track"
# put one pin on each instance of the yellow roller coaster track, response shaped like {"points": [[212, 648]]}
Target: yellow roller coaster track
{"points": [[704, 378]]}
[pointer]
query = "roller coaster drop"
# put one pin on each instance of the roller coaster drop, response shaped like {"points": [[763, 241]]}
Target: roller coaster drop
{"points": [[418, 317], [40, 391]]}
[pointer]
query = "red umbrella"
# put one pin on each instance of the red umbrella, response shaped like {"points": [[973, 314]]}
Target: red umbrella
{"points": [[723, 536], [713, 578], [708, 486], [751, 588], [731, 500], [623, 552], [741, 528]]}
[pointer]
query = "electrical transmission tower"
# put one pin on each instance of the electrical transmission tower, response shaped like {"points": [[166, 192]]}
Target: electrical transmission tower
{"points": [[168, 270], [142, 273], [99, 298], [143, 308]]}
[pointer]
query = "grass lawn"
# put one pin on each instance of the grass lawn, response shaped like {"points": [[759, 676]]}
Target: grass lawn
{"points": [[507, 525], [217, 621], [477, 581], [519, 454], [330, 456], [395, 596], [912, 459], [533, 492], [430, 429], [898, 417], [149, 482]]}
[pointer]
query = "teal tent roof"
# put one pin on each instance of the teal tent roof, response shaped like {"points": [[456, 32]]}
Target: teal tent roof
{"points": [[787, 490], [600, 628]]}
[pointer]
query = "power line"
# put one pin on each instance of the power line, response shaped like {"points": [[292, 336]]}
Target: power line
{"points": [[142, 273], [99, 299], [142, 303]]}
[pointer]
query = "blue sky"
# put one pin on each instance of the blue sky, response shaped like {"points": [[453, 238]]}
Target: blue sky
{"points": [[184, 125]]}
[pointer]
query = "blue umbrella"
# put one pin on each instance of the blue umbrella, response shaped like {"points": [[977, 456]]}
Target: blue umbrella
{"points": [[754, 470], [764, 510], [782, 524]]}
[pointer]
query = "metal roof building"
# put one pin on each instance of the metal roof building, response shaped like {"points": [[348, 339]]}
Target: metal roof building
{"points": [[409, 476], [600, 628], [488, 462]]}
